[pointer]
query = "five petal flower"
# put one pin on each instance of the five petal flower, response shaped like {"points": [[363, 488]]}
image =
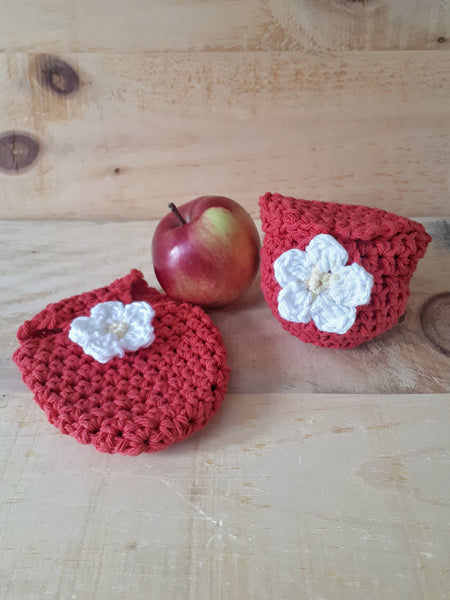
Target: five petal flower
{"points": [[114, 328], [316, 284]]}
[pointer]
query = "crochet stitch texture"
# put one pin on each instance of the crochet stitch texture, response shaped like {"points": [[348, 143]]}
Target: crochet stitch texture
{"points": [[142, 402], [388, 246]]}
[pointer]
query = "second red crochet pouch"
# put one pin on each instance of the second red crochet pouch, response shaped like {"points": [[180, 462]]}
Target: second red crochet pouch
{"points": [[336, 275]]}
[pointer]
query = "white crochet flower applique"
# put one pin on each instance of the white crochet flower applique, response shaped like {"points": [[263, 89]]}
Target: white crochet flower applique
{"points": [[316, 284], [114, 328]]}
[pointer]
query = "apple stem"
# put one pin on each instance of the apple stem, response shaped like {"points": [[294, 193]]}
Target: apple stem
{"points": [[176, 212]]}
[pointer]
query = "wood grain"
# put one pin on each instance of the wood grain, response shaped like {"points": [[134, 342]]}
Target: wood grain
{"points": [[435, 321], [144, 130], [44, 262], [281, 496], [244, 25]]}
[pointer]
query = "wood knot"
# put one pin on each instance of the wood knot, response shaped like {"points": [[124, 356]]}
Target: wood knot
{"points": [[17, 151], [435, 321], [57, 75]]}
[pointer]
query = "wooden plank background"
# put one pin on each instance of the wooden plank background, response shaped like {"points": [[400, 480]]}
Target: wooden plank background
{"points": [[144, 130], [325, 475], [232, 26], [45, 261], [282, 496]]}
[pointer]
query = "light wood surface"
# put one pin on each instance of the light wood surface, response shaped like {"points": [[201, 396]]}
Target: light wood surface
{"points": [[47, 261], [282, 496], [143, 130], [232, 26], [288, 493], [325, 474]]}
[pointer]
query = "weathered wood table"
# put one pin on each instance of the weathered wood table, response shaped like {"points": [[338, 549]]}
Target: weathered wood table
{"points": [[326, 473]]}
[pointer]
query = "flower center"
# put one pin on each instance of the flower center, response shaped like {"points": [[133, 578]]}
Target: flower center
{"points": [[319, 282], [118, 328]]}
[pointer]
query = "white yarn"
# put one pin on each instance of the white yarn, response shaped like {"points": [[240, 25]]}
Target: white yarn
{"points": [[113, 329], [316, 284]]}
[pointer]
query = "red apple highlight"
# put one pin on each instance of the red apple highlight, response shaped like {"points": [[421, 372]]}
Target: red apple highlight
{"points": [[206, 251]]}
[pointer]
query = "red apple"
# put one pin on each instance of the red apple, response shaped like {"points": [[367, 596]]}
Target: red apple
{"points": [[206, 251]]}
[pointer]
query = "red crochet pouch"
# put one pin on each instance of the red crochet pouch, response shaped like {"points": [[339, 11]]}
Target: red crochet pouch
{"points": [[124, 367], [336, 275]]}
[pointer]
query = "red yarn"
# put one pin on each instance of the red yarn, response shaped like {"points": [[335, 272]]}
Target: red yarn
{"points": [[386, 245], [142, 402]]}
